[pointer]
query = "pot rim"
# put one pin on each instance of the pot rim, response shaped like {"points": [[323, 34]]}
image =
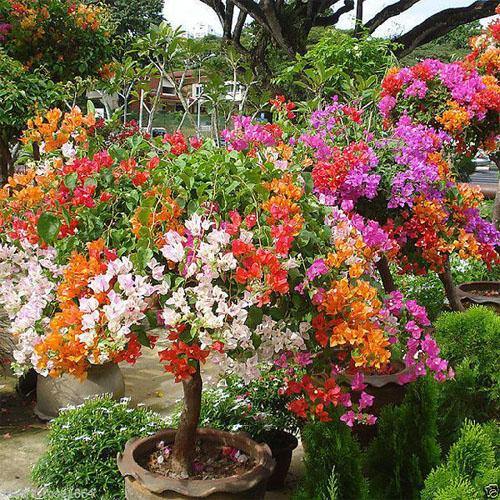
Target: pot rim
{"points": [[291, 441], [469, 289], [381, 380], [198, 488]]}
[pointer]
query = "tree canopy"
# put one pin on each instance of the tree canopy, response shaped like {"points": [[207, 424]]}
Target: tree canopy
{"points": [[288, 23], [135, 17]]}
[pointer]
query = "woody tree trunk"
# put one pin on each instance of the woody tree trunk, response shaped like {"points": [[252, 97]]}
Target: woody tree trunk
{"points": [[5, 159], [450, 288], [386, 275], [185, 438]]}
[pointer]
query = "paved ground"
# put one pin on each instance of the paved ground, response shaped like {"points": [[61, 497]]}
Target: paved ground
{"points": [[23, 436]]}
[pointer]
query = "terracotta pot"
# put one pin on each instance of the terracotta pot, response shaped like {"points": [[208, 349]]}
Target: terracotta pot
{"points": [[140, 484], [387, 390], [52, 394], [473, 293], [282, 444]]}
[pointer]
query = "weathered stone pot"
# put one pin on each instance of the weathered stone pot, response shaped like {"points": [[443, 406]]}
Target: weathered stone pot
{"points": [[140, 484], [52, 394], [282, 444], [477, 292], [387, 390]]}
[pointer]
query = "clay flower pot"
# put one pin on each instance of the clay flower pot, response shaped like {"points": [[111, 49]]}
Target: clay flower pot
{"points": [[282, 445], [387, 390], [141, 484], [52, 394], [486, 293]]}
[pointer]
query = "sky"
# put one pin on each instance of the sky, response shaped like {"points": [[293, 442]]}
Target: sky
{"points": [[189, 13]]}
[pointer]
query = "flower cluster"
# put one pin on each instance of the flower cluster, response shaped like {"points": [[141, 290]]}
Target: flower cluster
{"points": [[281, 105], [56, 130], [343, 172], [248, 136], [454, 96], [99, 301], [222, 275]]}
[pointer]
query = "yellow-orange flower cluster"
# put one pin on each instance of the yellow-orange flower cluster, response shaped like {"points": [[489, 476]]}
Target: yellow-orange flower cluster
{"points": [[284, 214], [61, 351], [55, 128], [455, 118], [349, 312]]}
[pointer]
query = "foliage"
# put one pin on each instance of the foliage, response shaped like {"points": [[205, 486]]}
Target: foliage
{"points": [[255, 408], [22, 93], [406, 447], [135, 18], [426, 290], [470, 466], [84, 442], [472, 270], [338, 64], [331, 446], [470, 341], [450, 47], [68, 38]]}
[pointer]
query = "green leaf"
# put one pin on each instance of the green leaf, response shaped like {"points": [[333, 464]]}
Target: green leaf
{"points": [[70, 180], [48, 226]]}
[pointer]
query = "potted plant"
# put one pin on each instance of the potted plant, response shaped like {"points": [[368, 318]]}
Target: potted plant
{"points": [[257, 409], [481, 293]]}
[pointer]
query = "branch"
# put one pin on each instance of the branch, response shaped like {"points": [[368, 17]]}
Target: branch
{"points": [[218, 7], [388, 12], [238, 27], [334, 18], [228, 21], [443, 22]]}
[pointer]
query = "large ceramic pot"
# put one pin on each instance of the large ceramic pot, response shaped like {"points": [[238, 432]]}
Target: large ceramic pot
{"points": [[387, 390], [140, 484], [486, 293], [282, 445], [52, 394]]}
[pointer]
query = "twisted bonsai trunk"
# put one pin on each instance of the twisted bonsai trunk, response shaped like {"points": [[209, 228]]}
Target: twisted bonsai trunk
{"points": [[450, 288], [185, 438], [386, 275], [5, 160]]}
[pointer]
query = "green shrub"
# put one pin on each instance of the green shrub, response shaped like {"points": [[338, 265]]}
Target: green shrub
{"points": [[331, 446], [470, 467], [406, 447], [457, 489], [426, 290], [254, 408], [84, 442], [472, 270], [470, 342]]}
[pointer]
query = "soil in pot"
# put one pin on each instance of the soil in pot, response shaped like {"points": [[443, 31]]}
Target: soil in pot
{"points": [[243, 482], [486, 293], [212, 461], [282, 445]]}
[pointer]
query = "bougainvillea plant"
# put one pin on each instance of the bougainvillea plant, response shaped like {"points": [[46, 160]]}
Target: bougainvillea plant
{"points": [[228, 251], [67, 37], [269, 251]]}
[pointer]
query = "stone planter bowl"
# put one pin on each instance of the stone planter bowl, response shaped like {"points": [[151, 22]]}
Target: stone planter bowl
{"points": [[53, 394], [141, 484]]}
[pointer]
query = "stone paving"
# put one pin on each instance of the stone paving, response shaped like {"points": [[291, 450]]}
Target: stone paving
{"points": [[23, 437]]}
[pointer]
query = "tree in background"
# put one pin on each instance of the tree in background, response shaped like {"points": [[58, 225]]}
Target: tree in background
{"points": [[135, 17], [337, 64], [450, 47], [21, 94], [68, 38], [288, 24]]}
